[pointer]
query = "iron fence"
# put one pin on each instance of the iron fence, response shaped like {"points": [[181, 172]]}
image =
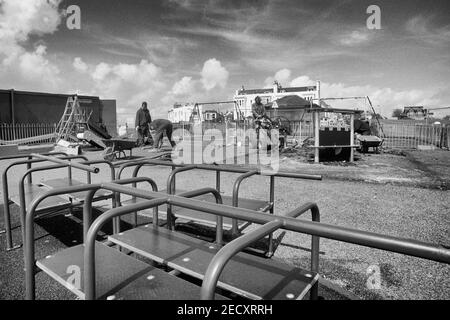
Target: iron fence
{"points": [[27, 133]]}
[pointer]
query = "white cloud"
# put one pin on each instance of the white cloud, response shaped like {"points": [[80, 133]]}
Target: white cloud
{"points": [[354, 38], [214, 74], [282, 76], [34, 66], [80, 65], [18, 21], [302, 81], [184, 87], [420, 27], [129, 84], [101, 71], [383, 99]]}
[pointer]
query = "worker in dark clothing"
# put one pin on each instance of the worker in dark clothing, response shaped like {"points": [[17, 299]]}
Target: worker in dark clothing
{"points": [[260, 119], [258, 109], [362, 126], [159, 127], [143, 120]]}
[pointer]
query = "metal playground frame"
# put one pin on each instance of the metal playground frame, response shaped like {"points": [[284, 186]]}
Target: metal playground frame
{"points": [[224, 270]]}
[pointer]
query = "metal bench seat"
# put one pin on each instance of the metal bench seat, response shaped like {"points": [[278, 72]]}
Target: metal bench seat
{"points": [[205, 218], [32, 191], [78, 196], [118, 276], [246, 275]]}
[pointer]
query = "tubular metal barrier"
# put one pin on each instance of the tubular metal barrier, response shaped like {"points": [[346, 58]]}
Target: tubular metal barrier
{"points": [[29, 249], [84, 167], [246, 173], [5, 191], [68, 163], [270, 224]]}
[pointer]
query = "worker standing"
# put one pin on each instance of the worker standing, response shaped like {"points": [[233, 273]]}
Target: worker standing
{"points": [[159, 127], [143, 120]]}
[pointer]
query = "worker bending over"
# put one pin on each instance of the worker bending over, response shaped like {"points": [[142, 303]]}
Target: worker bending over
{"points": [[158, 127]]}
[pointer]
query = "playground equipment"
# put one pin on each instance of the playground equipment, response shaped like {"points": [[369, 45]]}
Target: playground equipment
{"points": [[75, 125], [175, 258], [110, 274], [232, 226], [73, 116], [27, 191]]}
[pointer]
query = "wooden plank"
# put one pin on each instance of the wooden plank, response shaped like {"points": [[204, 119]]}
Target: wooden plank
{"points": [[247, 275], [79, 196], [33, 191], [118, 276]]}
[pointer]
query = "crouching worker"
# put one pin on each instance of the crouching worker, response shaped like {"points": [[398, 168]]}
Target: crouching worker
{"points": [[158, 127]]}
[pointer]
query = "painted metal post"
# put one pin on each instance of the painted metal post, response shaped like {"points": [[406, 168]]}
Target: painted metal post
{"points": [[352, 138], [13, 114], [316, 136], [272, 210], [219, 218]]}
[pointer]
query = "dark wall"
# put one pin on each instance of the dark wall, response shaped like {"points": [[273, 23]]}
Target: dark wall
{"points": [[31, 107], [109, 116], [5, 107]]}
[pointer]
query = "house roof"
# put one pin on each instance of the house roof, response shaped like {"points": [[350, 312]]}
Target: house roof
{"points": [[281, 90], [293, 101]]}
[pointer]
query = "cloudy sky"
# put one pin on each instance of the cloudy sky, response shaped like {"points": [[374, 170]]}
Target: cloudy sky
{"points": [[191, 50]]}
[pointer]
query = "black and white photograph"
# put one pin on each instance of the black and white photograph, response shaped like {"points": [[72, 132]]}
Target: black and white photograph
{"points": [[239, 151]]}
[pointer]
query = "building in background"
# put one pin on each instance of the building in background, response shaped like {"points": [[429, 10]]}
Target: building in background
{"points": [[245, 98], [198, 112], [414, 113], [22, 107], [181, 113]]}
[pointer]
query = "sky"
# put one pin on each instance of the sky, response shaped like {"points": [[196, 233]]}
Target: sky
{"points": [[204, 50]]}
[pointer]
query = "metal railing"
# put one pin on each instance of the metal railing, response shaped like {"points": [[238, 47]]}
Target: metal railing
{"points": [[20, 133], [62, 162], [411, 135], [270, 224]]}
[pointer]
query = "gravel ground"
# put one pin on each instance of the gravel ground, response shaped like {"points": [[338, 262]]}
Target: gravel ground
{"points": [[399, 210]]}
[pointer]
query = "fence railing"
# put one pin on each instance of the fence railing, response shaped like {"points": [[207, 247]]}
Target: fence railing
{"points": [[410, 135], [22, 133]]}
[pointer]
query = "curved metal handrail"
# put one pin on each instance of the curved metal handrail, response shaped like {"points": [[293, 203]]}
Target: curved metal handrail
{"points": [[29, 249], [5, 191], [364, 238]]}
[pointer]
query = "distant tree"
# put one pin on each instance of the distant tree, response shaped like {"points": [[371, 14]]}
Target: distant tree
{"points": [[397, 113]]}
